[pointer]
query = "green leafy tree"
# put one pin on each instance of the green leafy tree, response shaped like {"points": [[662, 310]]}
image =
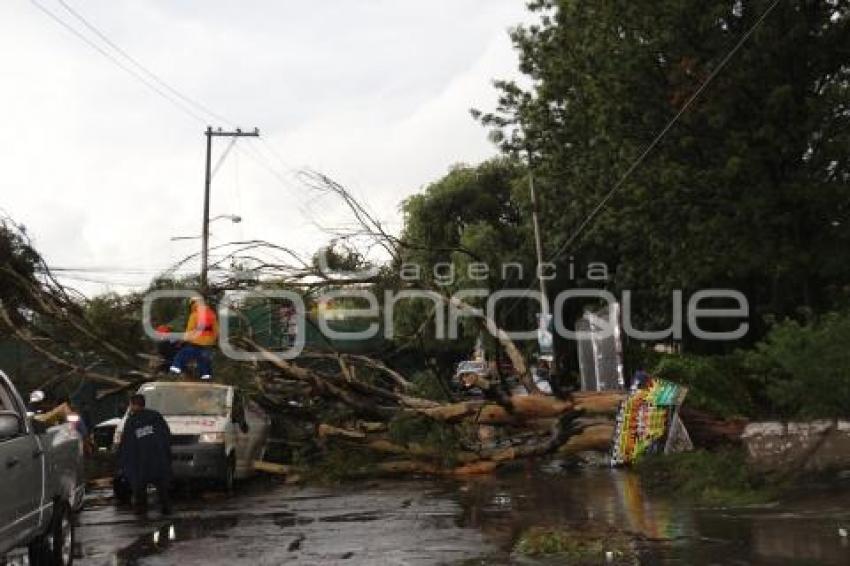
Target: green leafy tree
{"points": [[748, 190], [19, 262], [472, 215], [470, 230]]}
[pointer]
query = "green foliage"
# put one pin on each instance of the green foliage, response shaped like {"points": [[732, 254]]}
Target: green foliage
{"points": [[17, 269], [477, 220], [805, 369], [426, 385], [472, 214], [714, 383], [709, 478], [339, 256], [797, 372], [747, 191], [408, 429], [342, 463], [578, 546], [119, 319]]}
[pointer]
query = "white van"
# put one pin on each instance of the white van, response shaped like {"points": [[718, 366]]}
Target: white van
{"points": [[216, 432]]}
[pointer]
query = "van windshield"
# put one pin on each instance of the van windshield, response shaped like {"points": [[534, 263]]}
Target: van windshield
{"points": [[186, 401]]}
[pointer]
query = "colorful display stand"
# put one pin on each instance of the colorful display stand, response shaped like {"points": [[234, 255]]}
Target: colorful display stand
{"points": [[648, 423]]}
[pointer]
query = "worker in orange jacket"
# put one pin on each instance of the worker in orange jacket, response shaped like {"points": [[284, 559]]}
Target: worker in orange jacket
{"points": [[201, 336]]}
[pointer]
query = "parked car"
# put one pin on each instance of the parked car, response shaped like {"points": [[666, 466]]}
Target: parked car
{"points": [[42, 482], [216, 432]]}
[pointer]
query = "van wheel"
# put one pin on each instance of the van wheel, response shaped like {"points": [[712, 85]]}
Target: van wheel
{"points": [[56, 546], [228, 482]]}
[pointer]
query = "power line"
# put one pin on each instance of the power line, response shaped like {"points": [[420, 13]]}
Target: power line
{"points": [[117, 62], [651, 146], [99, 281], [176, 92], [637, 162], [222, 157], [72, 273], [174, 99], [153, 76], [181, 101]]}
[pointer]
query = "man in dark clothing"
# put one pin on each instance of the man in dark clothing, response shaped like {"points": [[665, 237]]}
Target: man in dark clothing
{"points": [[640, 379], [165, 347], [145, 454]]}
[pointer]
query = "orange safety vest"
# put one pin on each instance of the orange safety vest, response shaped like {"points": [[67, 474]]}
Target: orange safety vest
{"points": [[202, 326], [205, 325]]}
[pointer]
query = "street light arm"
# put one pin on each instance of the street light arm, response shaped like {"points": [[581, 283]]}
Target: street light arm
{"points": [[235, 218]]}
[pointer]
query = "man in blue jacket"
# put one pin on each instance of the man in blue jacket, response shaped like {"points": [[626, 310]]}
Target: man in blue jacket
{"points": [[145, 454]]}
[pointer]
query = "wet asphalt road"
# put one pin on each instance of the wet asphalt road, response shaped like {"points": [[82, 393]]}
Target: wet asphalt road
{"points": [[473, 521], [267, 523]]}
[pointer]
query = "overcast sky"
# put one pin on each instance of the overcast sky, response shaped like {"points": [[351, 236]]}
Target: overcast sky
{"points": [[103, 171]]}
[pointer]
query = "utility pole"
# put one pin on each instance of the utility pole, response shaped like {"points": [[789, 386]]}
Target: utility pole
{"points": [[205, 231], [538, 244]]}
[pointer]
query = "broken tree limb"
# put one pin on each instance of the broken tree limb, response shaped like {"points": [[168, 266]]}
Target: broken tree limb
{"points": [[595, 438], [49, 305], [349, 359], [326, 430], [26, 337], [521, 408], [350, 390], [598, 402]]}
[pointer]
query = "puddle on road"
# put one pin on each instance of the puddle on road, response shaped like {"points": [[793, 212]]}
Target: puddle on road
{"points": [[353, 517], [803, 529], [162, 536], [473, 521]]}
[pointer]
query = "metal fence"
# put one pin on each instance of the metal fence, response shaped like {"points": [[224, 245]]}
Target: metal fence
{"points": [[600, 353]]}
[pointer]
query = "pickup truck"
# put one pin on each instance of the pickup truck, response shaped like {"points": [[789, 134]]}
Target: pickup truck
{"points": [[41, 482]]}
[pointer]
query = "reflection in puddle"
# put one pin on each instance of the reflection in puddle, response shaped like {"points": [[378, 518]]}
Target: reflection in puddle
{"points": [[364, 517], [425, 522], [667, 529], [162, 536]]}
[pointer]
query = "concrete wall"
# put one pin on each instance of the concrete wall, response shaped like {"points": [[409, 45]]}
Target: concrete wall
{"points": [[814, 446]]}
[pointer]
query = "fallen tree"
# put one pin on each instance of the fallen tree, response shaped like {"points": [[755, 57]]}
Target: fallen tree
{"points": [[498, 428], [339, 392]]}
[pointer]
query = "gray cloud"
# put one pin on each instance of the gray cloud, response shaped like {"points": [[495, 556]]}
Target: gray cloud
{"points": [[375, 93]]}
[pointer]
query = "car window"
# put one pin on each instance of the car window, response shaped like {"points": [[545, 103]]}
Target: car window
{"points": [[186, 401], [6, 399]]}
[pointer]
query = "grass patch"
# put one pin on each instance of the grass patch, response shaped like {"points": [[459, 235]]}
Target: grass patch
{"points": [[586, 545], [338, 464], [708, 478], [407, 429]]}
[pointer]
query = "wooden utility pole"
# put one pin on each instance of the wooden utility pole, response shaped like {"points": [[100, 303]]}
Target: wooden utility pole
{"points": [[538, 245], [205, 231]]}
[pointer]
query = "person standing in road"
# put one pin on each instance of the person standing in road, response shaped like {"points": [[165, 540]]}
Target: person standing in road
{"points": [[145, 454], [201, 336]]}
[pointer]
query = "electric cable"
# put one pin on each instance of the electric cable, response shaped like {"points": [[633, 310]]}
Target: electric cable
{"points": [[117, 62], [153, 76], [650, 147]]}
